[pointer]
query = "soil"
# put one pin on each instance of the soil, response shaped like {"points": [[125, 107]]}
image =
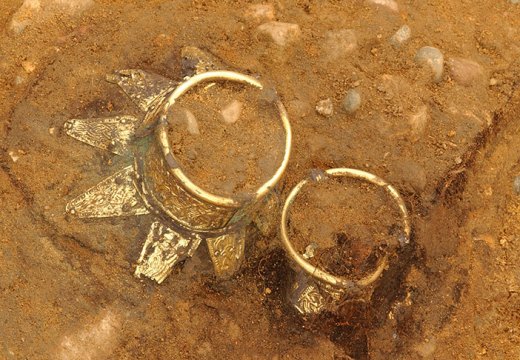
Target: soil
{"points": [[450, 147], [230, 155], [350, 223]]}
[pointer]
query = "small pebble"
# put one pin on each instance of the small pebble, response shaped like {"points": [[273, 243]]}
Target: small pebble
{"points": [[52, 131], [231, 113], [418, 122], [493, 81], [280, 33], [390, 4], [20, 80], [325, 107], [412, 174], [339, 43], [310, 250], [433, 58], [401, 36], [260, 13], [13, 156], [464, 71], [352, 101], [516, 185], [28, 66], [191, 122], [299, 108]]}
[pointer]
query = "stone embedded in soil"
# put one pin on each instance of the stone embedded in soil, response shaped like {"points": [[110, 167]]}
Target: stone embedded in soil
{"points": [[28, 66], [433, 58], [260, 13], [299, 108], [390, 4], [411, 174], [465, 72], [280, 33], [34, 11], [418, 122], [231, 113], [516, 185], [339, 43], [191, 123], [325, 107], [352, 101], [401, 36]]}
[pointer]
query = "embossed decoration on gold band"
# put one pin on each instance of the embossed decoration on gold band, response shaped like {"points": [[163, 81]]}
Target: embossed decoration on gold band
{"points": [[313, 284], [152, 183]]}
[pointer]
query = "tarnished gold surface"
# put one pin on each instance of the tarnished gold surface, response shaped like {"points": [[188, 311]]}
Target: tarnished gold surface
{"points": [[144, 88], [113, 134], [185, 214], [309, 300], [323, 282], [162, 250], [227, 252], [114, 196], [176, 201]]}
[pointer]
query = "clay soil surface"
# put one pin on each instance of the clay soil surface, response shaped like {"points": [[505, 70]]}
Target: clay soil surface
{"points": [[450, 146]]}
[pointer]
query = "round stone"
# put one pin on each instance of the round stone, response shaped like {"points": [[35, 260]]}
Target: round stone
{"points": [[433, 58], [352, 101]]}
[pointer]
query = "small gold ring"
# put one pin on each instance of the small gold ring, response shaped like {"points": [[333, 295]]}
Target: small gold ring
{"points": [[321, 275], [162, 137]]}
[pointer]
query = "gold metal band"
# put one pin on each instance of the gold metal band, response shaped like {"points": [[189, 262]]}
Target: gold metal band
{"points": [[162, 137], [321, 275]]}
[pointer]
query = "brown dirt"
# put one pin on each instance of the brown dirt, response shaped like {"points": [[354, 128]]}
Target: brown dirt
{"points": [[350, 222], [66, 285], [227, 158]]}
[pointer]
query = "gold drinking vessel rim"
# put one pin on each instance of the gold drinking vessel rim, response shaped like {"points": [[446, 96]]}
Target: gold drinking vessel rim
{"points": [[175, 170], [321, 275]]}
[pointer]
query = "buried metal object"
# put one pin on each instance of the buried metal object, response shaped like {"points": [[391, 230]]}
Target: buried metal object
{"points": [[184, 214], [315, 290]]}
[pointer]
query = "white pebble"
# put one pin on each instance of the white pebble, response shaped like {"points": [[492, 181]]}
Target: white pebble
{"points": [[325, 107], [279, 32], [433, 58], [401, 36], [13, 156], [390, 4], [231, 113], [352, 101], [191, 122], [260, 13]]}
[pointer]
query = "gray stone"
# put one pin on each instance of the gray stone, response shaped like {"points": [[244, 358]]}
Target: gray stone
{"points": [[352, 101], [433, 58]]}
